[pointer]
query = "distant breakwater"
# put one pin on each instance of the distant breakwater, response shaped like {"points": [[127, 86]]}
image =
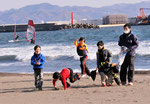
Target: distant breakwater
{"points": [[46, 27], [38, 27]]}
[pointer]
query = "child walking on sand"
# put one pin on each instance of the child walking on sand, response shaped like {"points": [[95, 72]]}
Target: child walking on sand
{"points": [[82, 51], [38, 61]]}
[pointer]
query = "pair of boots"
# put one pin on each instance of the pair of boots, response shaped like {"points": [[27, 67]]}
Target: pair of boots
{"points": [[38, 85]]}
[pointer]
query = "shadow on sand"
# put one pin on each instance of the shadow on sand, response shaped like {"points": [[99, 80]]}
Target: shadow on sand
{"points": [[29, 89], [25, 90], [85, 86], [25, 81]]}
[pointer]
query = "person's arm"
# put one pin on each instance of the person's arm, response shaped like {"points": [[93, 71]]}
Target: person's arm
{"points": [[54, 82], [120, 41], [75, 42], [87, 49], [42, 62], [109, 59], [98, 63], [33, 62], [135, 44]]}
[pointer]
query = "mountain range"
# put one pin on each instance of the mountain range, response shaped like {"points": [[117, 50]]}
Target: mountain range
{"points": [[47, 12]]}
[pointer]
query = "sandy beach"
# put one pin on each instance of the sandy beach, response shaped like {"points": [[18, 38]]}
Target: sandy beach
{"points": [[19, 89]]}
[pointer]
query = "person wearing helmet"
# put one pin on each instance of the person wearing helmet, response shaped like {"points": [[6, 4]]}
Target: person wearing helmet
{"points": [[63, 76]]}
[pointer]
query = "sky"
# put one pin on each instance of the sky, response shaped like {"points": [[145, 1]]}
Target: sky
{"points": [[16, 4]]}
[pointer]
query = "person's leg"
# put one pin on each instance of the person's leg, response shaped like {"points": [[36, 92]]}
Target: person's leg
{"points": [[103, 78], [87, 71], [35, 76], [123, 71], [73, 78], [68, 85], [81, 65], [131, 69], [116, 79], [40, 78], [110, 79]]}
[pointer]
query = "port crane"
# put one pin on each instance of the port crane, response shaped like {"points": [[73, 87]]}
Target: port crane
{"points": [[143, 18]]}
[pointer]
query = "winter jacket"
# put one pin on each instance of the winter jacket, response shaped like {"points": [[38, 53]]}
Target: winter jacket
{"points": [[38, 58], [65, 73], [105, 56], [130, 41]]}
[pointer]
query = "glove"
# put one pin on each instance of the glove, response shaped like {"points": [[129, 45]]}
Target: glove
{"points": [[102, 64]]}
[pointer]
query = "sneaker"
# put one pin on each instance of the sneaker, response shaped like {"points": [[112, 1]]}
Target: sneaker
{"points": [[78, 76], [119, 84], [69, 87], [103, 85], [109, 85], [123, 83], [130, 84], [40, 88], [83, 76]]}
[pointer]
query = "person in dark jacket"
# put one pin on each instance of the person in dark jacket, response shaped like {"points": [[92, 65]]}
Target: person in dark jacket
{"points": [[63, 75], [104, 60], [82, 51], [38, 61], [130, 41]]}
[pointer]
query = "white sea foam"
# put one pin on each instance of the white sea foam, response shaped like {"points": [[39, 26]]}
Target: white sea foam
{"points": [[140, 69], [55, 51]]}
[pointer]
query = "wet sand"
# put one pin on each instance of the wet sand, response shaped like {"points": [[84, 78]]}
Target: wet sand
{"points": [[19, 89]]}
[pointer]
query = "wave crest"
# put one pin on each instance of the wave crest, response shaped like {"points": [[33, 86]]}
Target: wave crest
{"points": [[52, 52]]}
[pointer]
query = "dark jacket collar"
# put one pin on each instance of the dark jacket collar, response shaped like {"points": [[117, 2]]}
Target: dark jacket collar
{"points": [[36, 55], [100, 50]]}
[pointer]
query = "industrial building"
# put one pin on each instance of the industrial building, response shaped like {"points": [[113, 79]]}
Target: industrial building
{"points": [[132, 20], [94, 22], [115, 19]]}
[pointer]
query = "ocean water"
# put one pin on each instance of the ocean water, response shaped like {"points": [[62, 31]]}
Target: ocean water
{"points": [[60, 52]]}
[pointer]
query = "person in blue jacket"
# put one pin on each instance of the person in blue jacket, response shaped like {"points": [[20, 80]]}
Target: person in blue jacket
{"points": [[130, 41], [38, 61]]}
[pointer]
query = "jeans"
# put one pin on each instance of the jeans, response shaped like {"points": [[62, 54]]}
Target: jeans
{"points": [[38, 75]]}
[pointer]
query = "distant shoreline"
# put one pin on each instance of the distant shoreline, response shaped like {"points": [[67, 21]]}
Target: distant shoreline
{"points": [[50, 27], [111, 25]]}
